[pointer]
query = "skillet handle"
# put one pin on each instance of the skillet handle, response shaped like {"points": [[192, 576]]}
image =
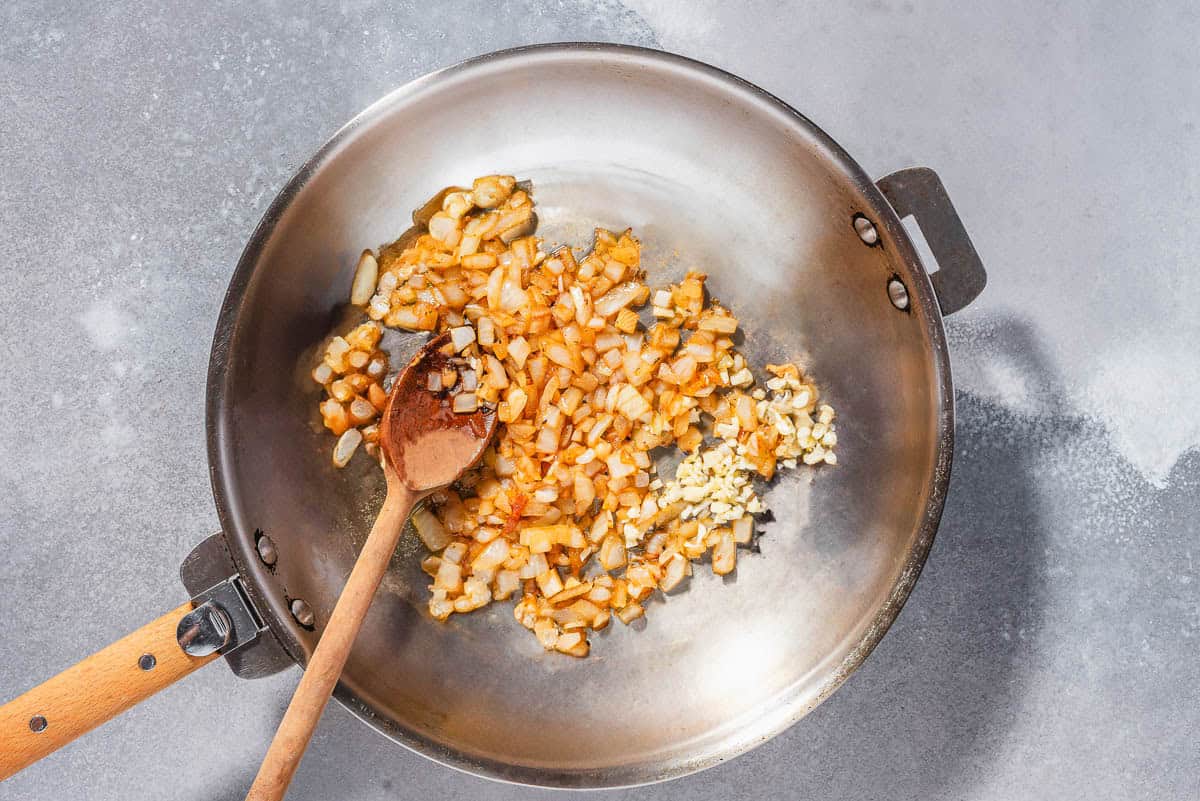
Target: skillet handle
{"points": [[94, 691], [919, 191]]}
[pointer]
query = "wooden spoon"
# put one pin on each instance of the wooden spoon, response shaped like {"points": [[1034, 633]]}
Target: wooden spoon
{"points": [[426, 445]]}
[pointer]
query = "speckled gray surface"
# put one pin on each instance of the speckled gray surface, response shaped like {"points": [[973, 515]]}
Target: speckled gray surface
{"points": [[1050, 649]]}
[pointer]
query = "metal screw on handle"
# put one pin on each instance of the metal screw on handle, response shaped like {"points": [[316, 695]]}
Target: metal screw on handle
{"points": [[204, 630]]}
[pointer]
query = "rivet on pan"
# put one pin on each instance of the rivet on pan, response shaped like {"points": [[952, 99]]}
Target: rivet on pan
{"points": [[266, 550], [866, 229], [303, 613], [38, 723], [147, 661], [898, 294]]}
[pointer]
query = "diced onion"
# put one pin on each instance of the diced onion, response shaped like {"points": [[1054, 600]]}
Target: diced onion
{"points": [[430, 529], [585, 394], [461, 337], [617, 298], [465, 402], [346, 445], [365, 277]]}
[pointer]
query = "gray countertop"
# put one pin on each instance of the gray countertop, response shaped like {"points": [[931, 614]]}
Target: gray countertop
{"points": [[1051, 647]]}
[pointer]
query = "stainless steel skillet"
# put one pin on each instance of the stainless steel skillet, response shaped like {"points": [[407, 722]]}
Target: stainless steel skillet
{"points": [[714, 174]]}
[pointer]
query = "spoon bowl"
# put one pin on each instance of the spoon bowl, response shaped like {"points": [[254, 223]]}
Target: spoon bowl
{"points": [[424, 441]]}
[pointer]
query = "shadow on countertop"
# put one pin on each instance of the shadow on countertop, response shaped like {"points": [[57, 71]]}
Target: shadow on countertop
{"points": [[937, 696]]}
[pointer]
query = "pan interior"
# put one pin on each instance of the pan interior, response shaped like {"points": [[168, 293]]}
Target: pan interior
{"points": [[712, 175]]}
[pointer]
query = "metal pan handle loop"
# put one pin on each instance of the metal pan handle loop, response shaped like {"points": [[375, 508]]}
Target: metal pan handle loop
{"points": [[919, 191]]}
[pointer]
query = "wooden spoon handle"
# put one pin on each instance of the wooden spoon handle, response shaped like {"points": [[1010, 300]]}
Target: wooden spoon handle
{"points": [[322, 672], [93, 691]]}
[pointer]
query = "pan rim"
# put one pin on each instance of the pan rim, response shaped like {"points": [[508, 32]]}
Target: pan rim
{"points": [[241, 545]]}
